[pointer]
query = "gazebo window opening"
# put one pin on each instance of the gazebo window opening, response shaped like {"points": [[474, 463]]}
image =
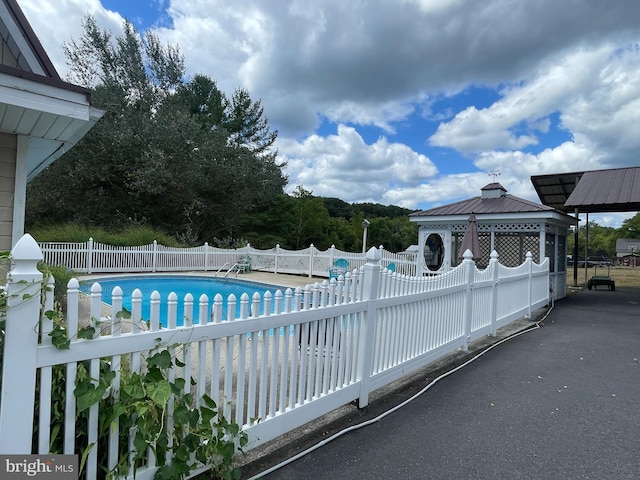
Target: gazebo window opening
{"points": [[434, 252]]}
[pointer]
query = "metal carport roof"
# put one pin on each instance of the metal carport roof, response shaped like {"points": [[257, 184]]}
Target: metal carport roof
{"points": [[600, 191]]}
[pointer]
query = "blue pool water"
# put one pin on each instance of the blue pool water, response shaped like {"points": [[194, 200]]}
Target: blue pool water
{"points": [[180, 285]]}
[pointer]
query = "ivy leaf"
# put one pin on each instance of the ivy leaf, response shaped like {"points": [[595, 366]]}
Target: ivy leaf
{"points": [[108, 375], [181, 415], [124, 314], [134, 387], [161, 360], [108, 418], [183, 453], [207, 414], [141, 408], [139, 444], [87, 333], [162, 442], [154, 375], [59, 338], [180, 383], [208, 401], [85, 454], [159, 393], [88, 394]]}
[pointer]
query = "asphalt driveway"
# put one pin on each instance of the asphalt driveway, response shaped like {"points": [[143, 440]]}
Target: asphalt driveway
{"points": [[558, 402]]}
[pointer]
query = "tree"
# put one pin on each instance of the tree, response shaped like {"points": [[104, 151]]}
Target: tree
{"points": [[311, 220], [630, 227], [175, 154]]}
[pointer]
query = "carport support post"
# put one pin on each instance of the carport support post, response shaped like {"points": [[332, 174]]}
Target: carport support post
{"points": [[368, 322], [575, 249], [586, 247]]}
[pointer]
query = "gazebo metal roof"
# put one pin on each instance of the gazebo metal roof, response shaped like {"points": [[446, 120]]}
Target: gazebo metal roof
{"points": [[505, 203]]}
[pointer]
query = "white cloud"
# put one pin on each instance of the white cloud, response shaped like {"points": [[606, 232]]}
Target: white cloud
{"points": [[344, 166], [381, 115], [553, 68], [61, 21], [438, 191], [336, 55], [551, 89]]}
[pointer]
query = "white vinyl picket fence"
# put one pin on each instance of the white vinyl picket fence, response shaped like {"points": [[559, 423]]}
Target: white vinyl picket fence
{"points": [[95, 257], [316, 350]]}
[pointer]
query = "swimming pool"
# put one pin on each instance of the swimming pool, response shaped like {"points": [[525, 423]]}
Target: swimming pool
{"points": [[180, 285]]}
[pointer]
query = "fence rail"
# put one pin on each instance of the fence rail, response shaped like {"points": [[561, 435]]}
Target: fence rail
{"points": [[95, 257], [316, 350]]}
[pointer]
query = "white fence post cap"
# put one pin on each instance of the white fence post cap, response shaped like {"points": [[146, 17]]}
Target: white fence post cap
{"points": [[25, 256], [373, 254]]}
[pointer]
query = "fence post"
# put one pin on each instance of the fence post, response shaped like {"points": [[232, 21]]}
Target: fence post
{"points": [[311, 255], [495, 271], [90, 255], [17, 403], [371, 273], [155, 256], [275, 265], [206, 256], [529, 261], [467, 309]]}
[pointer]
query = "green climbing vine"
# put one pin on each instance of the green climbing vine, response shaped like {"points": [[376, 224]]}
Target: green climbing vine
{"points": [[140, 402], [201, 435]]}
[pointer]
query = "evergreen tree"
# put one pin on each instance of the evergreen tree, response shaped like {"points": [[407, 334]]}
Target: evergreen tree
{"points": [[175, 154]]}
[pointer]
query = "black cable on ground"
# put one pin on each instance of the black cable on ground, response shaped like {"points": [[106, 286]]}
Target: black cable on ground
{"points": [[535, 326]]}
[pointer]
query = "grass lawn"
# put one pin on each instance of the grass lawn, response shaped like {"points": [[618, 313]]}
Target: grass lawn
{"points": [[623, 276]]}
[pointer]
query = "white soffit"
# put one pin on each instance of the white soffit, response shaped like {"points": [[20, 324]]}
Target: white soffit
{"points": [[36, 96]]}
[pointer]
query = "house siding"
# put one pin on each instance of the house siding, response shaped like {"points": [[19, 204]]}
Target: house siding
{"points": [[8, 151]]}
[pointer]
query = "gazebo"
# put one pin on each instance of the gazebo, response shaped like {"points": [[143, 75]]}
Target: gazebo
{"points": [[510, 225]]}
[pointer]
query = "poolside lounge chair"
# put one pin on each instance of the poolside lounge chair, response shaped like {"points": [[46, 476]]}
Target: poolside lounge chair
{"points": [[340, 267], [244, 264]]}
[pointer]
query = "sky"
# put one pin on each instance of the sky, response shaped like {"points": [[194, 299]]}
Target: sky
{"points": [[415, 103]]}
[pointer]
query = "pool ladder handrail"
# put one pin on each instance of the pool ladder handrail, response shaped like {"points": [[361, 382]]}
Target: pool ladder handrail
{"points": [[226, 265], [236, 267]]}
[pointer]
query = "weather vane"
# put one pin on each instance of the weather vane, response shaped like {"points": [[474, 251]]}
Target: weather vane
{"points": [[494, 174]]}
